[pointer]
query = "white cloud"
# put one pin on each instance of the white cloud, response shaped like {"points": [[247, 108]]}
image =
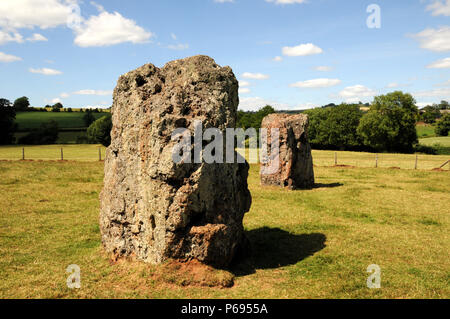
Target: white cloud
{"points": [[56, 100], [423, 104], [435, 40], [45, 71], [316, 83], [7, 58], [443, 93], [64, 95], [446, 83], [10, 37], [244, 83], [440, 64], [37, 37], [16, 14], [244, 90], [178, 46], [255, 103], [223, 1], [173, 36], [109, 29], [286, 1], [392, 85], [255, 76], [356, 93], [302, 50], [440, 8], [92, 92], [324, 68], [277, 59]]}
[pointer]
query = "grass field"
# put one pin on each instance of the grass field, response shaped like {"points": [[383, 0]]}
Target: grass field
{"points": [[66, 120], [442, 140], [88, 152], [425, 130], [306, 244]]}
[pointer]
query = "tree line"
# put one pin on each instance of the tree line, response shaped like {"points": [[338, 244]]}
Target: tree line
{"points": [[388, 126]]}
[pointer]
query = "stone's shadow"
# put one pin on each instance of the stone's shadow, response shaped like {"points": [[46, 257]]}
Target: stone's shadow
{"points": [[272, 248], [332, 185]]}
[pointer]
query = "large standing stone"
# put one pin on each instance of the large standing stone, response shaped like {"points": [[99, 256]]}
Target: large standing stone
{"points": [[295, 168], [152, 208]]}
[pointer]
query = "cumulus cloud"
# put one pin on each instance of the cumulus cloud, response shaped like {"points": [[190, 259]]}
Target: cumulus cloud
{"points": [[323, 68], [437, 40], [16, 14], [7, 58], [440, 8], [255, 103], [443, 93], [45, 71], [7, 36], [316, 83], [302, 50], [108, 29], [178, 47], [244, 90], [440, 64], [356, 93], [37, 37], [255, 76], [92, 92], [244, 83]]}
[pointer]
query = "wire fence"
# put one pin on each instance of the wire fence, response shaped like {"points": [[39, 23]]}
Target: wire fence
{"points": [[86, 152]]}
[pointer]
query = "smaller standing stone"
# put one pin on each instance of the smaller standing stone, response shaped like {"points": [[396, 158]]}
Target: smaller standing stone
{"points": [[295, 160]]}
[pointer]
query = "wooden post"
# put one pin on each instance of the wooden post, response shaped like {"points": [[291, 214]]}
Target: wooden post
{"points": [[415, 166], [376, 161], [100, 154], [335, 159], [62, 154], [23, 153]]}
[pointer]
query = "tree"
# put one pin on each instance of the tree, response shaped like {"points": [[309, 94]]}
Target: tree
{"points": [[335, 127], [100, 131], [431, 113], [21, 104], [443, 126], [7, 124], [46, 134], [88, 118], [69, 110], [390, 125], [444, 105]]}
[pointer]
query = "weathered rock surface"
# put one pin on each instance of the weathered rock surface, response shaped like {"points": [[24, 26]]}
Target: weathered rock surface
{"points": [[295, 160], [152, 208]]}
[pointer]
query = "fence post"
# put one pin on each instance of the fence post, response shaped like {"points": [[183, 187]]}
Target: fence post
{"points": [[415, 166], [23, 153], [335, 159], [62, 154], [376, 161], [100, 154]]}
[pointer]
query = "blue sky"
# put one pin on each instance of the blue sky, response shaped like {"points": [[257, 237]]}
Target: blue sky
{"points": [[293, 54]]}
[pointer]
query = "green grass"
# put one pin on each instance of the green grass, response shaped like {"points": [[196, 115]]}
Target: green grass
{"points": [[425, 130], [86, 152], [66, 120], [306, 244], [443, 141]]}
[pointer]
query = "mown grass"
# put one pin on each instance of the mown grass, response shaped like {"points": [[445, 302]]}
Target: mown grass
{"points": [[86, 152], [442, 140], [425, 130], [306, 244]]}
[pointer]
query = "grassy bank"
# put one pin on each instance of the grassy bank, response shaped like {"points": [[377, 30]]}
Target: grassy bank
{"points": [[306, 244]]}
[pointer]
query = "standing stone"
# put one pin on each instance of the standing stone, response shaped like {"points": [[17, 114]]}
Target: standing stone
{"points": [[152, 208], [295, 160]]}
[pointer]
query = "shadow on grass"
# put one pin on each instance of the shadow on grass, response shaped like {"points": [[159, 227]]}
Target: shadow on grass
{"points": [[332, 185], [271, 248]]}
